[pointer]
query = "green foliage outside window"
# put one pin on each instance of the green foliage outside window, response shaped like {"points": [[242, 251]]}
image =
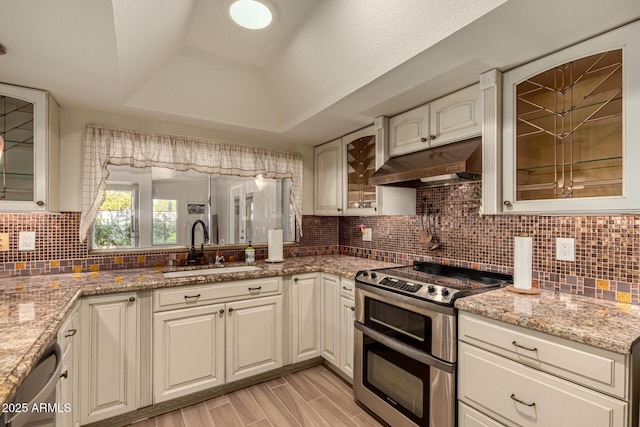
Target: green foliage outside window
{"points": [[113, 224]]}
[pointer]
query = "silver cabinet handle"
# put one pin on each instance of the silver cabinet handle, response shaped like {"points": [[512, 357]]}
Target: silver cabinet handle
{"points": [[191, 296], [71, 333], [514, 398], [515, 344], [255, 289]]}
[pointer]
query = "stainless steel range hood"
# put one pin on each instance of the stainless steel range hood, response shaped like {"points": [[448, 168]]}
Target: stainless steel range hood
{"points": [[447, 164]]}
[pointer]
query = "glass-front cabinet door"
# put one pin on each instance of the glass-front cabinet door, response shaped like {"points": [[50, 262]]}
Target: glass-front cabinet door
{"points": [[570, 140], [29, 162], [360, 197]]}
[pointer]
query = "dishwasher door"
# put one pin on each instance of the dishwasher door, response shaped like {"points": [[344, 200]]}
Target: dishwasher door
{"points": [[33, 405]]}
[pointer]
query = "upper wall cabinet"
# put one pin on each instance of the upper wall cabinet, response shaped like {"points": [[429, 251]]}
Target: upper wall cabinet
{"points": [[29, 124], [571, 129], [452, 118], [342, 171]]}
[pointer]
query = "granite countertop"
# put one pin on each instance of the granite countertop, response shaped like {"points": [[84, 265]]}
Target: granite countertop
{"points": [[604, 324], [33, 307]]}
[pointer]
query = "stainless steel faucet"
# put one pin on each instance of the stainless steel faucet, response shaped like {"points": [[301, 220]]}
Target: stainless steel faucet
{"points": [[219, 258], [193, 255]]}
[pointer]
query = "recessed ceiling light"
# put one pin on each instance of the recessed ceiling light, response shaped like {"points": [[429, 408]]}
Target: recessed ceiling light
{"points": [[251, 14]]}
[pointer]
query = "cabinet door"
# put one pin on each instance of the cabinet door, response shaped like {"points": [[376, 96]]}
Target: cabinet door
{"points": [[29, 171], [188, 353], [569, 129], [330, 318], [109, 339], [254, 337], [347, 316], [409, 132], [328, 178], [359, 197], [66, 389], [305, 317], [456, 117]]}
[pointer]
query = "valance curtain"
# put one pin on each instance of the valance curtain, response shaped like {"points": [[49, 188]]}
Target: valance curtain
{"points": [[105, 146]]}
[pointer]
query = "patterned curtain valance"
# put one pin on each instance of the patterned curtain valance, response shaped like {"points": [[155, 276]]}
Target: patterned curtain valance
{"points": [[105, 146]]}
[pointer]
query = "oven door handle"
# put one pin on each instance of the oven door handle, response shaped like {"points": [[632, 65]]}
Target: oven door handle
{"points": [[401, 348]]}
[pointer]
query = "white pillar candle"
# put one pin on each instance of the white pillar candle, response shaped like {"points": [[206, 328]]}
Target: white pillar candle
{"points": [[522, 261]]}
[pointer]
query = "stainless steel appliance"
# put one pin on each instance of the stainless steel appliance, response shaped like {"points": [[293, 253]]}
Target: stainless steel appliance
{"points": [[405, 340]]}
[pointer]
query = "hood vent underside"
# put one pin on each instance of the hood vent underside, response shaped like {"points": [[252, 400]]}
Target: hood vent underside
{"points": [[447, 164]]}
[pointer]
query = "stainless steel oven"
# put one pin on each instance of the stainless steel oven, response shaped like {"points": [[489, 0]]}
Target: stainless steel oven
{"points": [[405, 341]]}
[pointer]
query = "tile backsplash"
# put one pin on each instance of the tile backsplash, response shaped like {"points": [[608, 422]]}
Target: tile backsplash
{"points": [[607, 246]]}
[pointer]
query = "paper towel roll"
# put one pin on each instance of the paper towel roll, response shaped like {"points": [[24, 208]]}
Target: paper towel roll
{"points": [[522, 260], [275, 245]]}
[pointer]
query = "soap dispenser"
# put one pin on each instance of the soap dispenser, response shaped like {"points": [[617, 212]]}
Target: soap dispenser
{"points": [[249, 254]]}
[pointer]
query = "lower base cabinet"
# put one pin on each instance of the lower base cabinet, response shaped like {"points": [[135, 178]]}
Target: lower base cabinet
{"points": [[108, 356], [202, 347], [336, 322], [66, 389]]}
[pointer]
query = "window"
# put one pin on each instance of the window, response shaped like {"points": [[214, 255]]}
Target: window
{"points": [[165, 218], [116, 224]]}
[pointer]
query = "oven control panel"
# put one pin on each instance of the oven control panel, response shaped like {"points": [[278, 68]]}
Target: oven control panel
{"points": [[431, 292]]}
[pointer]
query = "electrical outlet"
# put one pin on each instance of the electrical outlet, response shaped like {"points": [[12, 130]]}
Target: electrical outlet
{"points": [[565, 249], [27, 241], [4, 242], [366, 236]]}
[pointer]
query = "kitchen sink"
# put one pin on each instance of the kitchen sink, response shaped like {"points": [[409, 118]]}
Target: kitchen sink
{"points": [[213, 270]]}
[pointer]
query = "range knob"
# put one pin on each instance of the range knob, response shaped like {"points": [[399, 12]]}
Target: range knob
{"points": [[374, 275], [365, 274], [431, 289], [444, 292]]}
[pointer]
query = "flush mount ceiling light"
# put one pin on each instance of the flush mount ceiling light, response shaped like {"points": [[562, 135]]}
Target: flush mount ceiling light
{"points": [[251, 14]]}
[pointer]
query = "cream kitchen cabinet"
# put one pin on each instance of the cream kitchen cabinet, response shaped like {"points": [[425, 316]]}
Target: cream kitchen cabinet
{"points": [[521, 377], [66, 389], [109, 349], [569, 129], [304, 316], [342, 171], [448, 119], [336, 322], [29, 124], [215, 334], [347, 316]]}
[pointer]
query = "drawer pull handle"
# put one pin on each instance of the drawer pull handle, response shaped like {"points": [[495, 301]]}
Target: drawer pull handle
{"points": [[255, 289], [347, 289], [191, 296], [513, 397], [71, 333], [515, 344]]}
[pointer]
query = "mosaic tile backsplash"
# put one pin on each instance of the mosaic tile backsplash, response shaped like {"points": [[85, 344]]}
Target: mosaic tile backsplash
{"points": [[607, 246]]}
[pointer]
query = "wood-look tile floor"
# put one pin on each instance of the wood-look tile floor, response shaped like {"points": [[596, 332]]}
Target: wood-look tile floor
{"points": [[313, 397]]}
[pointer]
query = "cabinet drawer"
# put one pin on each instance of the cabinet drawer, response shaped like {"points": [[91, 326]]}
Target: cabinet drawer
{"points": [[593, 367], [469, 417], [347, 288], [515, 394], [192, 296]]}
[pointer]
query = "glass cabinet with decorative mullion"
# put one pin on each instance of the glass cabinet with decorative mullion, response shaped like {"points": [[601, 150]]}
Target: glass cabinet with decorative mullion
{"points": [[29, 165], [570, 141]]}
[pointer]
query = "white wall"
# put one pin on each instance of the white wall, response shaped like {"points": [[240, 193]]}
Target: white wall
{"points": [[73, 122]]}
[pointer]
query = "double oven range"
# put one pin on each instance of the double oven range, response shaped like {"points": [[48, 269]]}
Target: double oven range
{"points": [[405, 340]]}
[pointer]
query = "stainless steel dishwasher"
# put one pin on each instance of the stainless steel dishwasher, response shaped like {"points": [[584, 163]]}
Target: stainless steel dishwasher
{"points": [[34, 402]]}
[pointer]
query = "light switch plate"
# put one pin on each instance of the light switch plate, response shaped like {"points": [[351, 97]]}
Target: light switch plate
{"points": [[4, 242], [366, 236], [27, 241]]}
